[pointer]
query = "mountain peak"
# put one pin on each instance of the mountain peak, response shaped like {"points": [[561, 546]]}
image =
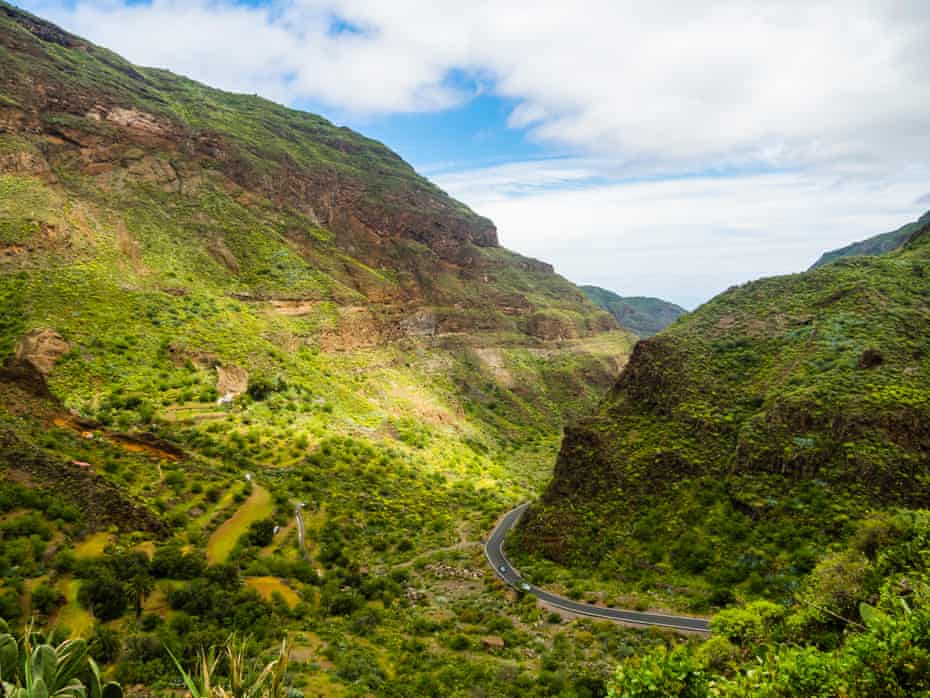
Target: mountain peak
{"points": [[878, 244]]}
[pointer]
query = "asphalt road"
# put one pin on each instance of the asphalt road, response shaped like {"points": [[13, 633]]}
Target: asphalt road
{"points": [[301, 533], [494, 551]]}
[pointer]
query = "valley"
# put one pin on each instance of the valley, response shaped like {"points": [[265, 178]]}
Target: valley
{"points": [[271, 399]]}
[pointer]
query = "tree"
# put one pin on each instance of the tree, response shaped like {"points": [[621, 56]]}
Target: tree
{"points": [[261, 533], [105, 595], [139, 587], [45, 599]]}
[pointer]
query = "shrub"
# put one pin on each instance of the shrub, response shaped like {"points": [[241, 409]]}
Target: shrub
{"points": [[660, 674], [46, 599]]}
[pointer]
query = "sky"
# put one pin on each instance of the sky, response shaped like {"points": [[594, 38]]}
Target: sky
{"points": [[667, 148]]}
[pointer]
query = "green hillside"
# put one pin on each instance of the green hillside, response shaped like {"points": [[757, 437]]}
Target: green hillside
{"points": [[215, 309], [747, 439], [644, 316], [879, 244], [765, 460]]}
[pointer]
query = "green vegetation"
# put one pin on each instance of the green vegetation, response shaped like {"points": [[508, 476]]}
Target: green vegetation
{"points": [[257, 507], [747, 439], [247, 678], [879, 244], [201, 285], [644, 316], [197, 285], [858, 626], [36, 668]]}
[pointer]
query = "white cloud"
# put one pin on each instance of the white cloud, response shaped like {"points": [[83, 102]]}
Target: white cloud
{"points": [[684, 239], [835, 91], [671, 82]]}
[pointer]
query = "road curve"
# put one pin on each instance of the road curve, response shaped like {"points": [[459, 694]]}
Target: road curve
{"points": [[494, 551], [301, 533]]}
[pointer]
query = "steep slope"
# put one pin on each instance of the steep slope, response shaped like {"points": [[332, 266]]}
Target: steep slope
{"points": [[197, 286], [195, 225], [878, 244], [644, 316], [744, 440]]}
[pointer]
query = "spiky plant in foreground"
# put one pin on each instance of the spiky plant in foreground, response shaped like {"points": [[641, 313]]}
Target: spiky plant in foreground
{"points": [[247, 679]]}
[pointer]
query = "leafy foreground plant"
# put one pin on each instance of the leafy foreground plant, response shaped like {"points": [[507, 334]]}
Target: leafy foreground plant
{"points": [[890, 658], [860, 627], [34, 668], [246, 678]]}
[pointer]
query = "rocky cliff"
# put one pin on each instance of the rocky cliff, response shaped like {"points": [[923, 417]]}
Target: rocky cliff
{"points": [[338, 206]]}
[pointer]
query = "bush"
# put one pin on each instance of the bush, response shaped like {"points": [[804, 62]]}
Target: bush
{"points": [[105, 595], [660, 674], [459, 643], [46, 599], [750, 624], [261, 533]]}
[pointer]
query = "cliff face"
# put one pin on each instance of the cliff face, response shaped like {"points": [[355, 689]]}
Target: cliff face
{"points": [[89, 110], [747, 407], [268, 202]]}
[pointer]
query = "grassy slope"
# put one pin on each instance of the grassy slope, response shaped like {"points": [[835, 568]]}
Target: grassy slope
{"points": [[408, 386], [750, 436], [644, 316], [879, 244], [257, 507]]}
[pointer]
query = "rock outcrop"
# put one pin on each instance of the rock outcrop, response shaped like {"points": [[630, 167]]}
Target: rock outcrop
{"points": [[231, 380], [42, 348]]}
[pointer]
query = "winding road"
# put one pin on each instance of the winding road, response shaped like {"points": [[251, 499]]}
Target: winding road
{"points": [[494, 551], [301, 534]]}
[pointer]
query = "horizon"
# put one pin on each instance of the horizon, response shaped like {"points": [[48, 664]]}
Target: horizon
{"points": [[770, 142]]}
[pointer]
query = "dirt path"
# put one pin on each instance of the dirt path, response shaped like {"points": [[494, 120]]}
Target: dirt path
{"points": [[463, 544]]}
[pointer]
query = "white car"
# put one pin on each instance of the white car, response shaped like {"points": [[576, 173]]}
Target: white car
{"points": [[503, 569], [525, 587]]}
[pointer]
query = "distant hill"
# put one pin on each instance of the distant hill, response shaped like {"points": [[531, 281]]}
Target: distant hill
{"points": [[644, 316], [878, 244]]}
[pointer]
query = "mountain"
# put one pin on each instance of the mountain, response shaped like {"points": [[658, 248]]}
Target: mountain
{"points": [[751, 435], [255, 367], [879, 244], [644, 316], [143, 208]]}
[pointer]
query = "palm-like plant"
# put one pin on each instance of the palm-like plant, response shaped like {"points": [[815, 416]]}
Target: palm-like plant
{"points": [[33, 668], [140, 586]]}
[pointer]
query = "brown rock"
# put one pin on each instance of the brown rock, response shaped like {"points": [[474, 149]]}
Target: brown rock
{"points": [[204, 360], [26, 163], [551, 327], [222, 254], [130, 118], [231, 380], [42, 348], [493, 642]]}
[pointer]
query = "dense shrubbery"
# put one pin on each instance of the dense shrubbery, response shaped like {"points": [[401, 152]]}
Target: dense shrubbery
{"points": [[765, 423], [860, 626]]}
